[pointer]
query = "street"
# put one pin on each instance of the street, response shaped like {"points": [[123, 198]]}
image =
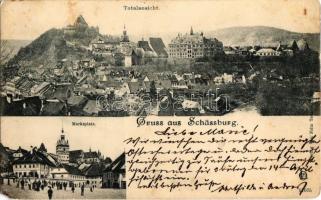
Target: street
{"points": [[98, 193]]}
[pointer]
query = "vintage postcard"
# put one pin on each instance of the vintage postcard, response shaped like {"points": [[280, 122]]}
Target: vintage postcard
{"points": [[160, 99]]}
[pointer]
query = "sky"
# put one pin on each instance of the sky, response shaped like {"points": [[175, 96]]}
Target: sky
{"points": [[32, 131], [28, 19]]}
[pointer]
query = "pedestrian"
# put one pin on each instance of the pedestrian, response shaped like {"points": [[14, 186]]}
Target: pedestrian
{"points": [[38, 185], [34, 185], [50, 193], [22, 184], [82, 189], [65, 185], [73, 188]]}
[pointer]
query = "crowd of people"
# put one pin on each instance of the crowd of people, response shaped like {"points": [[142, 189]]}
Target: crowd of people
{"points": [[40, 185]]}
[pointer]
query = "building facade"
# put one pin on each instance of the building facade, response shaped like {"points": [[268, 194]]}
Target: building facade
{"points": [[34, 164], [114, 176], [62, 148], [194, 45]]}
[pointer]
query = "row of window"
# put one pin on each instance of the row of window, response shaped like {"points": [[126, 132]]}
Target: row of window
{"points": [[185, 56], [77, 177], [185, 50], [193, 46], [268, 54], [186, 46], [30, 174], [26, 166]]}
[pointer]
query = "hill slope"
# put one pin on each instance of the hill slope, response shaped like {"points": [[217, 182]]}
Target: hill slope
{"points": [[10, 48], [52, 46]]}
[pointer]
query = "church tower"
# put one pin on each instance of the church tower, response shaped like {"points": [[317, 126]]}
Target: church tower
{"points": [[124, 37], [62, 148]]}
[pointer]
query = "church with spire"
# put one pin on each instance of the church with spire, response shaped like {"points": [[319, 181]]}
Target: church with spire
{"points": [[124, 37]]}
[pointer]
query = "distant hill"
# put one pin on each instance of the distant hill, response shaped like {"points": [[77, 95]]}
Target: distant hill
{"points": [[246, 35], [258, 35], [54, 44]]}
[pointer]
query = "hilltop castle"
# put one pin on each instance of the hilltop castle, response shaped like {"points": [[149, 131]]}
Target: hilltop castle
{"points": [[79, 24]]}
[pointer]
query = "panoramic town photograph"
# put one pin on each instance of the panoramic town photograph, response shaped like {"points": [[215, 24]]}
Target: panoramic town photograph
{"points": [[76, 69], [66, 165]]}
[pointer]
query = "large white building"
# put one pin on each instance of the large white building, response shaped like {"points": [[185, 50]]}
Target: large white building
{"points": [[194, 45], [36, 164]]}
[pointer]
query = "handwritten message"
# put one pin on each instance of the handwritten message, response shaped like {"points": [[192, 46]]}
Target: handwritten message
{"points": [[225, 158]]}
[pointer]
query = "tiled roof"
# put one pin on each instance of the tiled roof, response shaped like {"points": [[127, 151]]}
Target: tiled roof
{"points": [[144, 45], [158, 46], [135, 87], [118, 165], [53, 108], [35, 157], [139, 52], [195, 38], [76, 100], [72, 170], [166, 84], [91, 154], [80, 21], [94, 170], [74, 155], [91, 107], [4, 154], [21, 150]]}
